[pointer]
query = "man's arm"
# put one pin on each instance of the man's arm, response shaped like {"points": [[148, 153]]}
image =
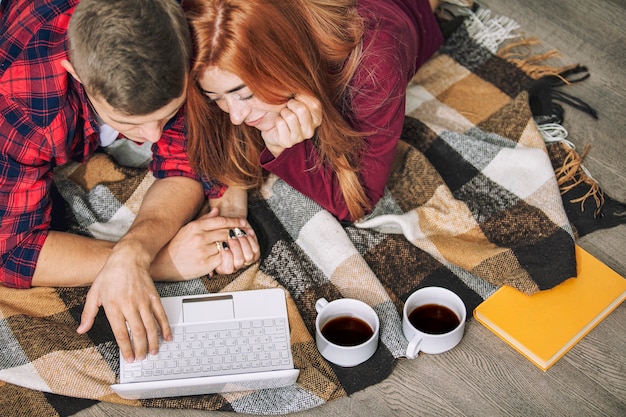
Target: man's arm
{"points": [[124, 286], [71, 260]]}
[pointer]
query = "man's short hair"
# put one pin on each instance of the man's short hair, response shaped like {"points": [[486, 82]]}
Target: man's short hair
{"points": [[135, 54]]}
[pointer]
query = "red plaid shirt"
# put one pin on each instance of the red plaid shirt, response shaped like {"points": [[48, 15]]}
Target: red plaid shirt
{"points": [[45, 121]]}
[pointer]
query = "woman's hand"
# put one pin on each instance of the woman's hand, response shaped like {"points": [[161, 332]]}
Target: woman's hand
{"points": [[297, 122], [243, 247], [198, 249]]}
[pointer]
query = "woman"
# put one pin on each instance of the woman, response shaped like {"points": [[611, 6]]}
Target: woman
{"points": [[314, 90]]}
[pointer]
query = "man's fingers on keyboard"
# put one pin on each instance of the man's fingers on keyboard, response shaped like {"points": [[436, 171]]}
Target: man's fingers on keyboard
{"points": [[138, 336], [162, 322], [122, 336], [152, 334]]}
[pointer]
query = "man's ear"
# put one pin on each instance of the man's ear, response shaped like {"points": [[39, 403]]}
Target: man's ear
{"points": [[70, 68]]}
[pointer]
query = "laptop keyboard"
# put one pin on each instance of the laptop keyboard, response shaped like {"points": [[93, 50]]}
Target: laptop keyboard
{"points": [[216, 348]]}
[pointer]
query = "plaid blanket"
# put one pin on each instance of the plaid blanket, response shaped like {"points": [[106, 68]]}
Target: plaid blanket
{"points": [[472, 204]]}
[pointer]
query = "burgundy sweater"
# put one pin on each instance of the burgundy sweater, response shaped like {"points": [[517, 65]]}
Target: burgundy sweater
{"points": [[400, 36]]}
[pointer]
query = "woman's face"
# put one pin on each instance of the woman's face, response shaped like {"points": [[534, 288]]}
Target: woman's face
{"points": [[230, 93]]}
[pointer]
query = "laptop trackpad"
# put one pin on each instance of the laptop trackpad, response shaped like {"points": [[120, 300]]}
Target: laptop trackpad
{"points": [[209, 308]]}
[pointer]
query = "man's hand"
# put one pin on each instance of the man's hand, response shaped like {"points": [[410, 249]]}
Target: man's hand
{"points": [[127, 293], [297, 122]]}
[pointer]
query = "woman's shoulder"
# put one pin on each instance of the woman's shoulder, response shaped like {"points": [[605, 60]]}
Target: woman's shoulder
{"points": [[391, 31], [401, 16], [389, 45]]}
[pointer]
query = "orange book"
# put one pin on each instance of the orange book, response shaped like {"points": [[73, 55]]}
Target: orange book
{"points": [[545, 325]]}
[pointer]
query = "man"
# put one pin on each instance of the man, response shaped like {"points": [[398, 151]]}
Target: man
{"points": [[73, 75]]}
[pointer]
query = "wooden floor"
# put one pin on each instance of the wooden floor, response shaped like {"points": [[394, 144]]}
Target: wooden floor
{"points": [[483, 376]]}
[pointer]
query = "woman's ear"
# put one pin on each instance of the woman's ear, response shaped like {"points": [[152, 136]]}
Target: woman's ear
{"points": [[70, 68]]}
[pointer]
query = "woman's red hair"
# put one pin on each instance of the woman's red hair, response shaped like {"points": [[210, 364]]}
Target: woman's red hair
{"points": [[278, 48]]}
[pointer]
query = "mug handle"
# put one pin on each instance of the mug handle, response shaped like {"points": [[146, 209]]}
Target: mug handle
{"points": [[320, 304], [414, 347]]}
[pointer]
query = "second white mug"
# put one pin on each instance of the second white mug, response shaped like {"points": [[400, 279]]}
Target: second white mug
{"points": [[433, 321]]}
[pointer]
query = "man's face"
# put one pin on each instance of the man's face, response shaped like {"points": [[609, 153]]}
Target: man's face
{"points": [[140, 129]]}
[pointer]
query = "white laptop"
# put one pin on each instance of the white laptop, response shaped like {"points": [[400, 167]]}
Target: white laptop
{"points": [[223, 342]]}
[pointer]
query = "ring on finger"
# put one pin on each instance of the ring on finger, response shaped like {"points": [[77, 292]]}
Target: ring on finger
{"points": [[218, 245]]}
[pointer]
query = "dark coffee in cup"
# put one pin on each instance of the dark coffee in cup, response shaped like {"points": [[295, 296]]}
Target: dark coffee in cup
{"points": [[347, 331], [434, 319]]}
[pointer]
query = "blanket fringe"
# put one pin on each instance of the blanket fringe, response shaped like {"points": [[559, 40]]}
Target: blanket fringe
{"points": [[572, 172], [499, 35], [520, 54], [489, 30]]}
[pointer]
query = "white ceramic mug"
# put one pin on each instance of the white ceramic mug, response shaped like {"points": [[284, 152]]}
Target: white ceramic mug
{"points": [[432, 341], [344, 352]]}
